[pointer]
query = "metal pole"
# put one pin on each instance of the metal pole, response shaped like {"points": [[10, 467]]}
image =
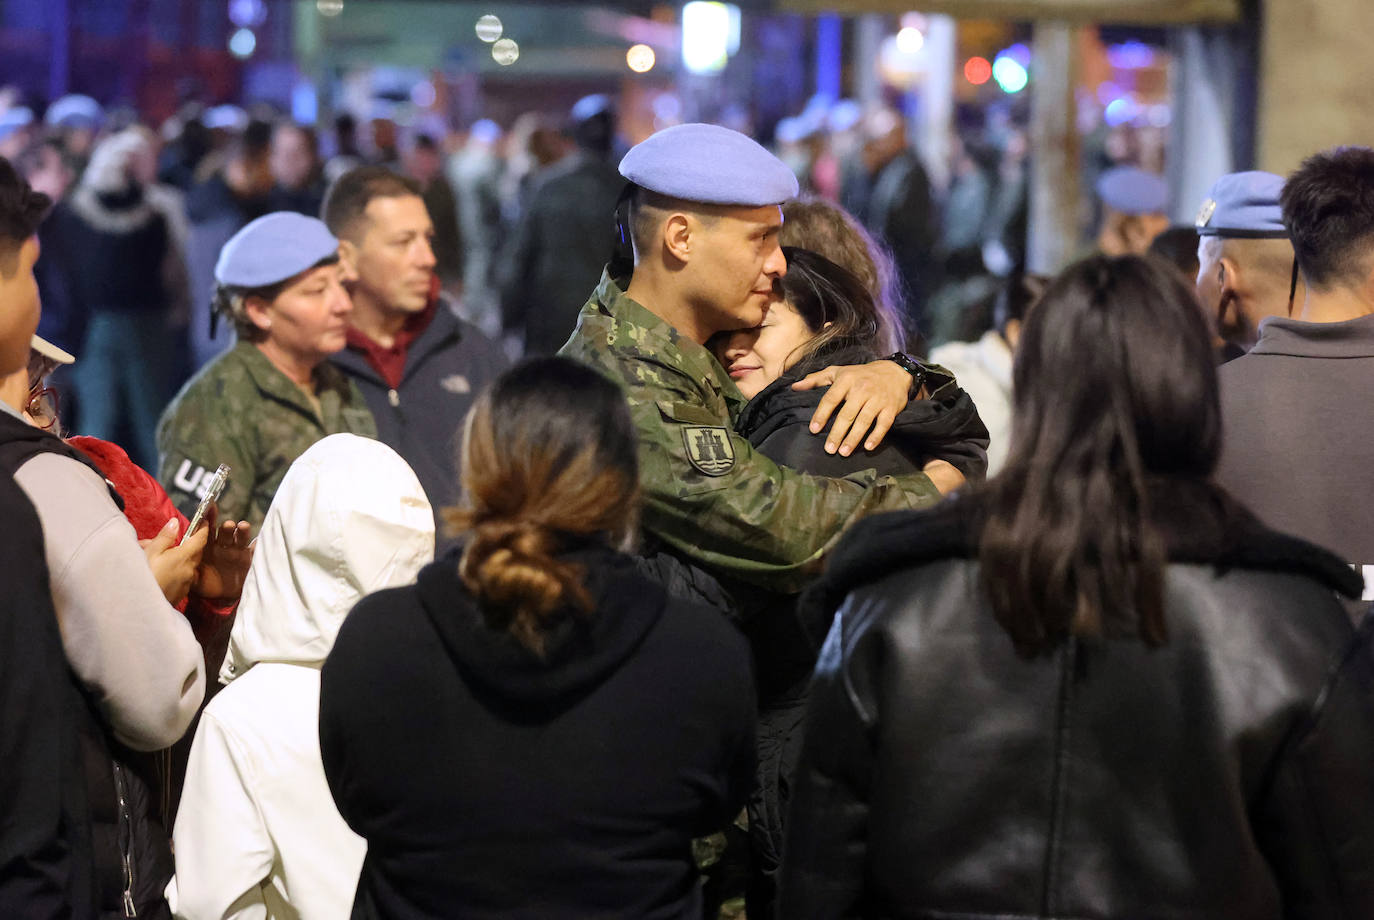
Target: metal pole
{"points": [[1054, 187]]}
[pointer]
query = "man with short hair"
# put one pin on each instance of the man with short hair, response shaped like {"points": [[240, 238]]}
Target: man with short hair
{"points": [[1245, 261], [1298, 412], [418, 365]]}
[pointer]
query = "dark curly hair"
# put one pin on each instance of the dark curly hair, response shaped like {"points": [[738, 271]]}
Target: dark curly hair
{"points": [[21, 208]]}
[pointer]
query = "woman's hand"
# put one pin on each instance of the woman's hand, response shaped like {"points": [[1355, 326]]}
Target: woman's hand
{"points": [[224, 567], [174, 565], [869, 397]]}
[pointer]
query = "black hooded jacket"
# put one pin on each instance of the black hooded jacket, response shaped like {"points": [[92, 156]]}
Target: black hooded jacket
{"points": [[491, 783], [944, 426]]}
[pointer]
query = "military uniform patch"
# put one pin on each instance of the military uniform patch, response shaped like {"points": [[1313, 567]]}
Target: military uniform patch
{"points": [[1204, 213], [709, 449]]}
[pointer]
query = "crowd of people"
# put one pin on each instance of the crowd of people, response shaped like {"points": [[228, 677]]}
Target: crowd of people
{"points": [[726, 600]]}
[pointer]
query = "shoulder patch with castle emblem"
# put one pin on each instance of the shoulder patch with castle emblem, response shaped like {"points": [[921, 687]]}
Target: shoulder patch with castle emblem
{"points": [[709, 449]]}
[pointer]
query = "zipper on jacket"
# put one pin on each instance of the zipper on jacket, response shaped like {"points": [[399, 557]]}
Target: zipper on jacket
{"points": [[125, 842], [393, 397]]}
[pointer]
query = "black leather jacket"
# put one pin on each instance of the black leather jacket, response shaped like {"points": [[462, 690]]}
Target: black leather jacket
{"points": [[1227, 774]]}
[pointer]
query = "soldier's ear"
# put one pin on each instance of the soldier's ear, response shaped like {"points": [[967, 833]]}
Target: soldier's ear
{"points": [[255, 308], [348, 261], [677, 236]]}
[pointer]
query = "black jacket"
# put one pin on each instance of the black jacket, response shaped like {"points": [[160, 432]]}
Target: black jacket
{"points": [[1227, 774], [46, 866], [447, 365], [489, 783], [945, 426], [124, 849]]}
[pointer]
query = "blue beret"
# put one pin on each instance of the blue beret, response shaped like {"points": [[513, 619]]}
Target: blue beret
{"points": [[1133, 191], [12, 120], [1243, 204], [710, 165], [273, 248], [75, 110]]}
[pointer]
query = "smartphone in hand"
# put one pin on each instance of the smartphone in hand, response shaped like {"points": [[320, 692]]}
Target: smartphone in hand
{"points": [[212, 494]]}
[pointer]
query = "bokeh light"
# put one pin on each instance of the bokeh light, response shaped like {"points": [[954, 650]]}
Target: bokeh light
{"points": [[243, 43], [505, 52], [910, 40], [640, 58], [329, 7], [489, 28], [977, 70], [1009, 74]]}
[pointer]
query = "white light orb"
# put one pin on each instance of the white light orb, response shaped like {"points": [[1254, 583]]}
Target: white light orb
{"points": [[505, 52], [489, 28], [640, 58]]}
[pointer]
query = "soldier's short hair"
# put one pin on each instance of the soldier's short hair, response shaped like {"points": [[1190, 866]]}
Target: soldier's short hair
{"points": [[1328, 206], [21, 208], [230, 300], [346, 200], [648, 211]]}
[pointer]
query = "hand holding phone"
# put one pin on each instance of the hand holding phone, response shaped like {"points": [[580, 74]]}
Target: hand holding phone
{"points": [[212, 494]]}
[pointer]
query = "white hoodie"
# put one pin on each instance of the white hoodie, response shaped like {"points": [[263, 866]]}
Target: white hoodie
{"points": [[257, 834]]}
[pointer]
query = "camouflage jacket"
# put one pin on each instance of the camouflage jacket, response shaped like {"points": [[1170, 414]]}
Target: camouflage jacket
{"points": [[707, 493], [242, 411]]}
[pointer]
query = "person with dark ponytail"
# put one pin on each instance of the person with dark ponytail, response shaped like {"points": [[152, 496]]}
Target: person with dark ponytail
{"points": [[1096, 686], [534, 729]]}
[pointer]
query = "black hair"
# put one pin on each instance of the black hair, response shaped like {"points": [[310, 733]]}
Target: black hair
{"points": [[1016, 297], [1328, 207], [346, 200], [21, 208], [1113, 384], [823, 292], [1177, 246]]}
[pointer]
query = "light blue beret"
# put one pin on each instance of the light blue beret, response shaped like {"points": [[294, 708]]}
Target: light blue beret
{"points": [[710, 165], [1243, 204], [12, 120], [75, 110], [273, 248], [1133, 191]]}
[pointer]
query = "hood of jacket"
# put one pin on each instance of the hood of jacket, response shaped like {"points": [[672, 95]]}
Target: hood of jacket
{"points": [[925, 428], [581, 652], [349, 519]]}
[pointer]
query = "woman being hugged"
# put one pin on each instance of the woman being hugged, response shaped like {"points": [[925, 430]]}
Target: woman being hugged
{"points": [[1096, 687], [535, 730]]}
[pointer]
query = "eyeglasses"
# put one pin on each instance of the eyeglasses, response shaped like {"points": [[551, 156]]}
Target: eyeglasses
{"points": [[43, 406]]}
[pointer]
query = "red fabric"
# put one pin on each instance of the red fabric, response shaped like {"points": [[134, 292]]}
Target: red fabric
{"points": [[391, 362], [148, 508]]}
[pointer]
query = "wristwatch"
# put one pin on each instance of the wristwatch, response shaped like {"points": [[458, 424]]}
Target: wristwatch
{"points": [[913, 367]]}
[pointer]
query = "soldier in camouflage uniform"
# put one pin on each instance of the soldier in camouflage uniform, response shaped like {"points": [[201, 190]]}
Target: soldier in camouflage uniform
{"points": [[259, 406], [708, 495], [704, 218]]}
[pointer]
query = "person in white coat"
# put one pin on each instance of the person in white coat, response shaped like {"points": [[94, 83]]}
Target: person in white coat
{"points": [[258, 835]]}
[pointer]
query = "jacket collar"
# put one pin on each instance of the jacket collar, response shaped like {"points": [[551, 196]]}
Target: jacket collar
{"points": [[272, 382], [1201, 524], [1280, 335], [653, 336], [441, 331]]}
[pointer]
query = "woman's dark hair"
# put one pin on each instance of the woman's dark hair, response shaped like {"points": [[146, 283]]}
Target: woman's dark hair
{"points": [[1017, 296], [824, 293], [830, 231], [1113, 384], [549, 461]]}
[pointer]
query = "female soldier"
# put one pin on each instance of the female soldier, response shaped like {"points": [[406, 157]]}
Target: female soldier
{"points": [[258, 406], [1096, 687]]}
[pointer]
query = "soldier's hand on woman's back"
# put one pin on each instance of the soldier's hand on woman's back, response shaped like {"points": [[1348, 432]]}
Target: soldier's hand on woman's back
{"points": [[869, 398], [174, 565]]}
